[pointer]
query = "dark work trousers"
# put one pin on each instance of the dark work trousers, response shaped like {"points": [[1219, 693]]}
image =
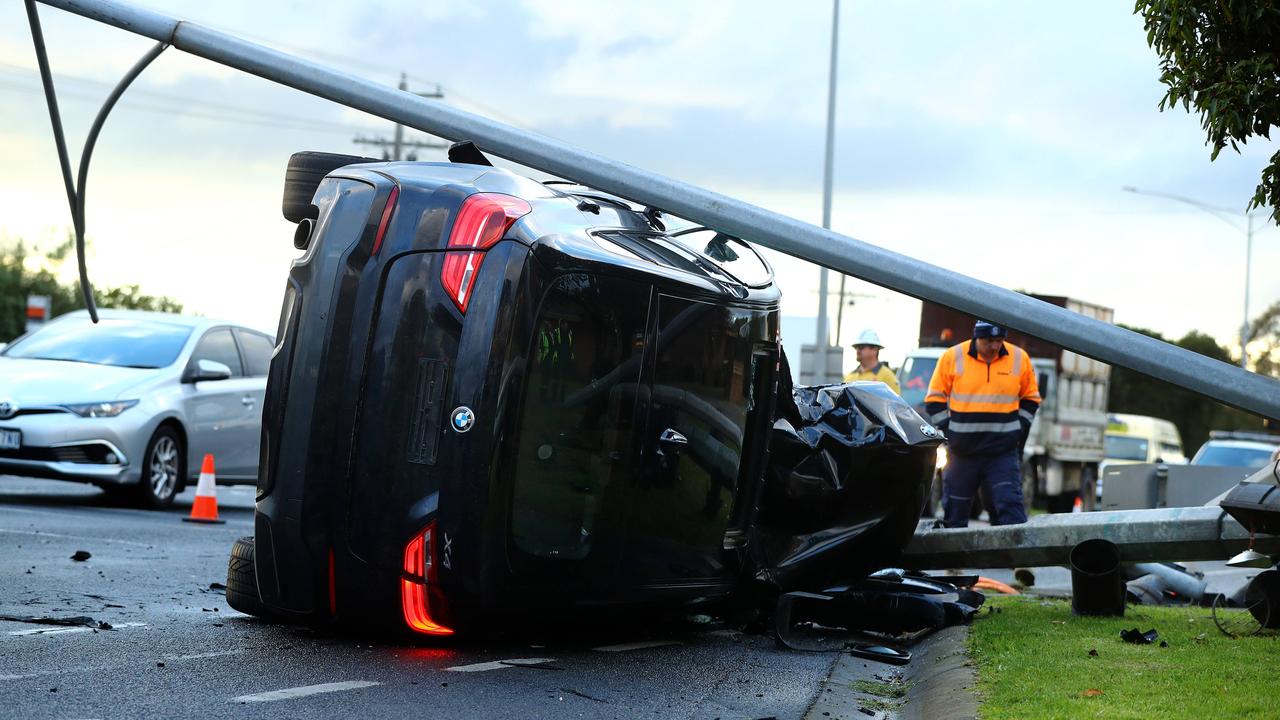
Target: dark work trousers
{"points": [[999, 475]]}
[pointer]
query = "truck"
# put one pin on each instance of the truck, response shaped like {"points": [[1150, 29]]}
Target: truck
{"points": [[1065, 446]]}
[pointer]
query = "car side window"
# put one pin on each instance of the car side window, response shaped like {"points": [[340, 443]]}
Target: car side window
{"points": [[257, 352], [219, 346]]}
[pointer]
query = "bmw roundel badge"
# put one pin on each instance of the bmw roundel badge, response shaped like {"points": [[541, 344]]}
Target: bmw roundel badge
{"points": [[463, 419]]}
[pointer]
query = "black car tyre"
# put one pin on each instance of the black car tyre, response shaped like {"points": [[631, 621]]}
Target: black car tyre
{"points": [[164, 467], [303, 176], [242, 580]]}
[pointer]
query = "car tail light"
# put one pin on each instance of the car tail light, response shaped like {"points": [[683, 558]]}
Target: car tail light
{"points": [[386, 219], [482, 221], [418, 582]]}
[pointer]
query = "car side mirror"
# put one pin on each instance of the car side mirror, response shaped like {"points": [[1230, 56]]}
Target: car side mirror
{"points": [[207, 370]]}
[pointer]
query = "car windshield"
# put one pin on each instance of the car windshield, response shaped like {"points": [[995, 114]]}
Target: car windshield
{"points": [[113, 341], [1119, 447], [916, 374], [1233, 456]]}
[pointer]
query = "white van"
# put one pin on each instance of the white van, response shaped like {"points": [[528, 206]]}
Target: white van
{"points": [[1142, 439]]}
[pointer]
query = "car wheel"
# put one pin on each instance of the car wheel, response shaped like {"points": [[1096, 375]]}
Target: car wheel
{"points": [[163, 468], [242, 580], [303, 176]]}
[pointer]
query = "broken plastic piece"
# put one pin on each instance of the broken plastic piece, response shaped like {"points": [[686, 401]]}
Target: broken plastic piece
{"points": [[1137, 637]]}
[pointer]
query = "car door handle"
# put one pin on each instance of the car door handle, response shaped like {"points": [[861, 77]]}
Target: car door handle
{"points": [[672, 437], [672, 440]]}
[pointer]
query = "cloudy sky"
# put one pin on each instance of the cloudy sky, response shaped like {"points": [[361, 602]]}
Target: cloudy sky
{"points": [[989, 138]]}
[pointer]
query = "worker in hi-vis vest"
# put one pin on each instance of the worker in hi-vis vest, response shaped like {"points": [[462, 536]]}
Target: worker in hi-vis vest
{"points": [[868, 347], [983, 395]]}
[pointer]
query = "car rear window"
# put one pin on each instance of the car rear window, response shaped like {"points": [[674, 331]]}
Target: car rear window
{"points": [[113, 341]]}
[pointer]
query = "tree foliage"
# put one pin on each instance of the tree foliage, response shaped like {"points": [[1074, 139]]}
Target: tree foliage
{"points": [[1265, 329], [26, 270], [1221, 58], [1195, 415]]}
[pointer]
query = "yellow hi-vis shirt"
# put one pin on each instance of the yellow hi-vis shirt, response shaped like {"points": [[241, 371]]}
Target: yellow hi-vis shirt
{"points": [[880, 372]]}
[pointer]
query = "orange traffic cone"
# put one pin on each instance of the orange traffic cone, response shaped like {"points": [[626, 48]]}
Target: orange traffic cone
{"points": [[205, 508], [1078, 506]]}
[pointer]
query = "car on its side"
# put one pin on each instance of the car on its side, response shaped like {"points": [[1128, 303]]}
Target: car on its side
{"points": [[132, 403], [495, 398], [1237, 449]]}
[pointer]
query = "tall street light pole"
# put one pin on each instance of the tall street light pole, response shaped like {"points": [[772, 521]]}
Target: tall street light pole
{"points": [[1228, 216], [823, 341]]}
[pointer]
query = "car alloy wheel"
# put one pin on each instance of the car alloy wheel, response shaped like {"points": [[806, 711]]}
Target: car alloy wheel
{"points": [[164, 467]]}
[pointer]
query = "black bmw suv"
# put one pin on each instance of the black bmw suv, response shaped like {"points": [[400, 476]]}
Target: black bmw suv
{"points": [[491, 393]]}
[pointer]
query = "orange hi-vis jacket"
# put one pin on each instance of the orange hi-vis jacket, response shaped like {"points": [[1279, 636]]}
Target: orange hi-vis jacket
{"points": [[984, 409]]}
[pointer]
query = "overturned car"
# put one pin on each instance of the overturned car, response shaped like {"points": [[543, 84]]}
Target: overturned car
{"points": [[493, 397]]}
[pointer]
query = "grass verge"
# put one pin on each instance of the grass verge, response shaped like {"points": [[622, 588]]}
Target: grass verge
{"points": [[1034, 660]]}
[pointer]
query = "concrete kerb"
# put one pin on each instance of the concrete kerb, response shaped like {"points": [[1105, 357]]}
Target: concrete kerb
{"points": [[939, 684]]}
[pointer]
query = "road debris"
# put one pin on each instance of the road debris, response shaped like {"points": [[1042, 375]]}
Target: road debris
{"points": [[81, 555], [1138, 637], [76, 621]]}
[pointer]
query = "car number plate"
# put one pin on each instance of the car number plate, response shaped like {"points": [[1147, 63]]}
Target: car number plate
{"points": [[10, 439]]}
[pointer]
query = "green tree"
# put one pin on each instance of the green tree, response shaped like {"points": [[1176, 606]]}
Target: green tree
{"points": [[1266, 328], [27, 270], [1195, 415], [1222, 57]]}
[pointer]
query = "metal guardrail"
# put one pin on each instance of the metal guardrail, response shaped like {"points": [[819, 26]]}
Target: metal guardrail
{"points": [[877, 265], [1167, 534]]}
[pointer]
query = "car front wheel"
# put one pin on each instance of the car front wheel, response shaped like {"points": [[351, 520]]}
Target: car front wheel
{"points": [[162, 469]]}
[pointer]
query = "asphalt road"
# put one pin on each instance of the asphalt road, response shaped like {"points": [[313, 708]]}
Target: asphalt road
{"points": [[175, 649]]}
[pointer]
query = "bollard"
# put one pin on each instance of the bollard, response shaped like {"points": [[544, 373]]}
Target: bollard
{"points": [[1097, 584]]}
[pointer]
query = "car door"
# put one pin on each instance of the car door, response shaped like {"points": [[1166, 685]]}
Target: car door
{"points": [[217, 421], [256, 349], [705, 382]]}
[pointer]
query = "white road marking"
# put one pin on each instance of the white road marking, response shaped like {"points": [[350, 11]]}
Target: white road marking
{"points": [[65, 630], [41, 533], [498, 664], [627, 647], [305, 690], [199, 656]]}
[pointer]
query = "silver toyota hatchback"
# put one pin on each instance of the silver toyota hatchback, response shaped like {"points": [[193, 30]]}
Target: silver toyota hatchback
{"points": [[133, 403]]}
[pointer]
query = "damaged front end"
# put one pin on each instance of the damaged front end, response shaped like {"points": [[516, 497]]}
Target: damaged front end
{"points": [[849, 471]]}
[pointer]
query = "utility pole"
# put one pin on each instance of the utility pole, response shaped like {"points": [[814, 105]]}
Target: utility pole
{"points": [[823, 339], [1228, 216], [397, 143]]}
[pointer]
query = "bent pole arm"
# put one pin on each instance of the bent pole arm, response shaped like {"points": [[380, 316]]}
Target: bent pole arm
{"points": [[1102, 341]]}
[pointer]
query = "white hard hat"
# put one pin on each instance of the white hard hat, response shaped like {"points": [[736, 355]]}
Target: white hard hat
{"points": [[868, 337]]}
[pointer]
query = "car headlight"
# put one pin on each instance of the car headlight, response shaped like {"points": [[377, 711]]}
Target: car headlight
{"points": [[942, 457], [101, 409]]}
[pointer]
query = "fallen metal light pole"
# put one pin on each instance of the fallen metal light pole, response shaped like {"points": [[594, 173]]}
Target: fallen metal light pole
{"points": [[1167, 534], [1086, 336]]}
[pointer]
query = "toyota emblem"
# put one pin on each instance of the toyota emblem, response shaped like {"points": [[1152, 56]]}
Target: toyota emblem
{"points": [[8, 408]]}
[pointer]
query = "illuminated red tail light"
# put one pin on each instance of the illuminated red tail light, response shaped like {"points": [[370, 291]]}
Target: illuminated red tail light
{"points": [[482, 221], [416, 585]]}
